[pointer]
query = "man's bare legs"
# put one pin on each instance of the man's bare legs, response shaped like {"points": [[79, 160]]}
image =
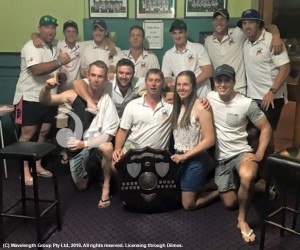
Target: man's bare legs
{"points": [[106, 164], [27, 133], [243, 196]]}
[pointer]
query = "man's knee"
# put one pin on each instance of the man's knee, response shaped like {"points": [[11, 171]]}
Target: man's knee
{"points": [[248, 176], [106, 149], [229, 201]]}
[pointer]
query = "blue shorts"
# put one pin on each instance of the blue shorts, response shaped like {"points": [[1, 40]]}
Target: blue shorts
{"points": [[193, 172]]}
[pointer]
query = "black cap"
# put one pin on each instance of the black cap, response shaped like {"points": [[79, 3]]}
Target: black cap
{"points": [[45, 20], [100, 23], [221, 12], [225, 69], [70, 23], [250, 14], [178, 25]]}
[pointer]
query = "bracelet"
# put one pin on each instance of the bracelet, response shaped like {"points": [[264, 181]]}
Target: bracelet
{"points": [[59, 63], [85, 144]]}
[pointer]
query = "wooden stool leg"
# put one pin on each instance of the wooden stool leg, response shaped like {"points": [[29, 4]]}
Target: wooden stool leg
{"points": [[36, 201]]}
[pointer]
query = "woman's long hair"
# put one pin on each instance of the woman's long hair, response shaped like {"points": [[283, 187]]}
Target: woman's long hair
{"points": [[185, 121]]}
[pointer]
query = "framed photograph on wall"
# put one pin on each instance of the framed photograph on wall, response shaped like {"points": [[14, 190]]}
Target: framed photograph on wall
{"points": [[155, 9], [205, 8], [108, 8]]}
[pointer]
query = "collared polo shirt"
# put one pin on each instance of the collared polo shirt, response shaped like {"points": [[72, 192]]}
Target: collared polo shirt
{"points": [[191, 58], [92, 53], [147, 127], [29, 86], [145, 62], [229, 51], [262, 66]]}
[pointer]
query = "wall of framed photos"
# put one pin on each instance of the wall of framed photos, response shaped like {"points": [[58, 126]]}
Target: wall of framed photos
{"points": [[19, 19]]}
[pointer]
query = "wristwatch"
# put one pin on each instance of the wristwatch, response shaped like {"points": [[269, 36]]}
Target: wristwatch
{"points": [[273, 90]]}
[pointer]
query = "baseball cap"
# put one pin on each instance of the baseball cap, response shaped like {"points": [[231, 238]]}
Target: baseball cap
{"points": [[225, 69], [100, 23], [47, 19], [222, 12], [250, 14], [70, 23], [179, 25]]}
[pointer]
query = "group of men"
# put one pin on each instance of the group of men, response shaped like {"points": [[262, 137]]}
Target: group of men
{"points": [[134, 96]]}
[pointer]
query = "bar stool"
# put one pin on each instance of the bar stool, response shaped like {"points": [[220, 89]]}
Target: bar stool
{"points": [[4, 111], [285, 167], [31, 152]]}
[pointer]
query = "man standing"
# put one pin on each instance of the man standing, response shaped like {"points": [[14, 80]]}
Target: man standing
{"points": [[146, 121], [143, 60], [101, 48], [37, 65], [122, 89], [186, 56], [98, 130], [266, 72], [237, 164], [225, 45]]}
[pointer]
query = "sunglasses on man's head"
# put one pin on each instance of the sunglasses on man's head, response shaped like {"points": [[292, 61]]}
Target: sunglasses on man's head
{"points": [[50, 20]]}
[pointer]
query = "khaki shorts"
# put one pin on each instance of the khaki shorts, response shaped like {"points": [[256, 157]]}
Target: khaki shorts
{"points": [[226, 175]]}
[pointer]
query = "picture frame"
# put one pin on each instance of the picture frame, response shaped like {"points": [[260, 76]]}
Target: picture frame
{"points": [[155, 9], [108, 9], [202, 8], [154, 38]]}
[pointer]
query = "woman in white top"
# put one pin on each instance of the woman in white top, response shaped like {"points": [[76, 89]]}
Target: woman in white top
{"points": [[193, 134]]}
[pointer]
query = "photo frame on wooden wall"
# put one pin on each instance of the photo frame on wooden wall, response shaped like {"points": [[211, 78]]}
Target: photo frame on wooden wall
{"points": [[155, 9], [108, 9], [202, 8]]}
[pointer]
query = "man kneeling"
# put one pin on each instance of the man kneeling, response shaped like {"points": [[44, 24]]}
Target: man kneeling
{"points": [[99, 129]]}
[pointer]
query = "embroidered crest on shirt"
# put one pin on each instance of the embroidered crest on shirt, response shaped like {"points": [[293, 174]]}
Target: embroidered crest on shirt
{"points": [[191, 58], [143, 65], [164, 113], [259, 51]]}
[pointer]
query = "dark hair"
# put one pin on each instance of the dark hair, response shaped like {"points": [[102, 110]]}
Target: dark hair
{"points": [[185, 120], [99, 64], [157, 72], [137, 27], [125, 62]]}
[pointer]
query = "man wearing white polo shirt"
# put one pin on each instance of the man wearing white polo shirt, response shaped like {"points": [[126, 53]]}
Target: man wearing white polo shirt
{"points": [[186, 56], [101, 48], [266, 72], [146, 121], [143, 59], [225, 45]]}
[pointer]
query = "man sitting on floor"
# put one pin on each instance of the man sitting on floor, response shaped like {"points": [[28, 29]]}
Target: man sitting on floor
{"points": [[100, 128], [237, 163]]}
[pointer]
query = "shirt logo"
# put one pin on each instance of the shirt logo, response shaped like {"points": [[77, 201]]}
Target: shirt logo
{"points": [[259, 51], [143, 65], [191, 58], [164, 113]]}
